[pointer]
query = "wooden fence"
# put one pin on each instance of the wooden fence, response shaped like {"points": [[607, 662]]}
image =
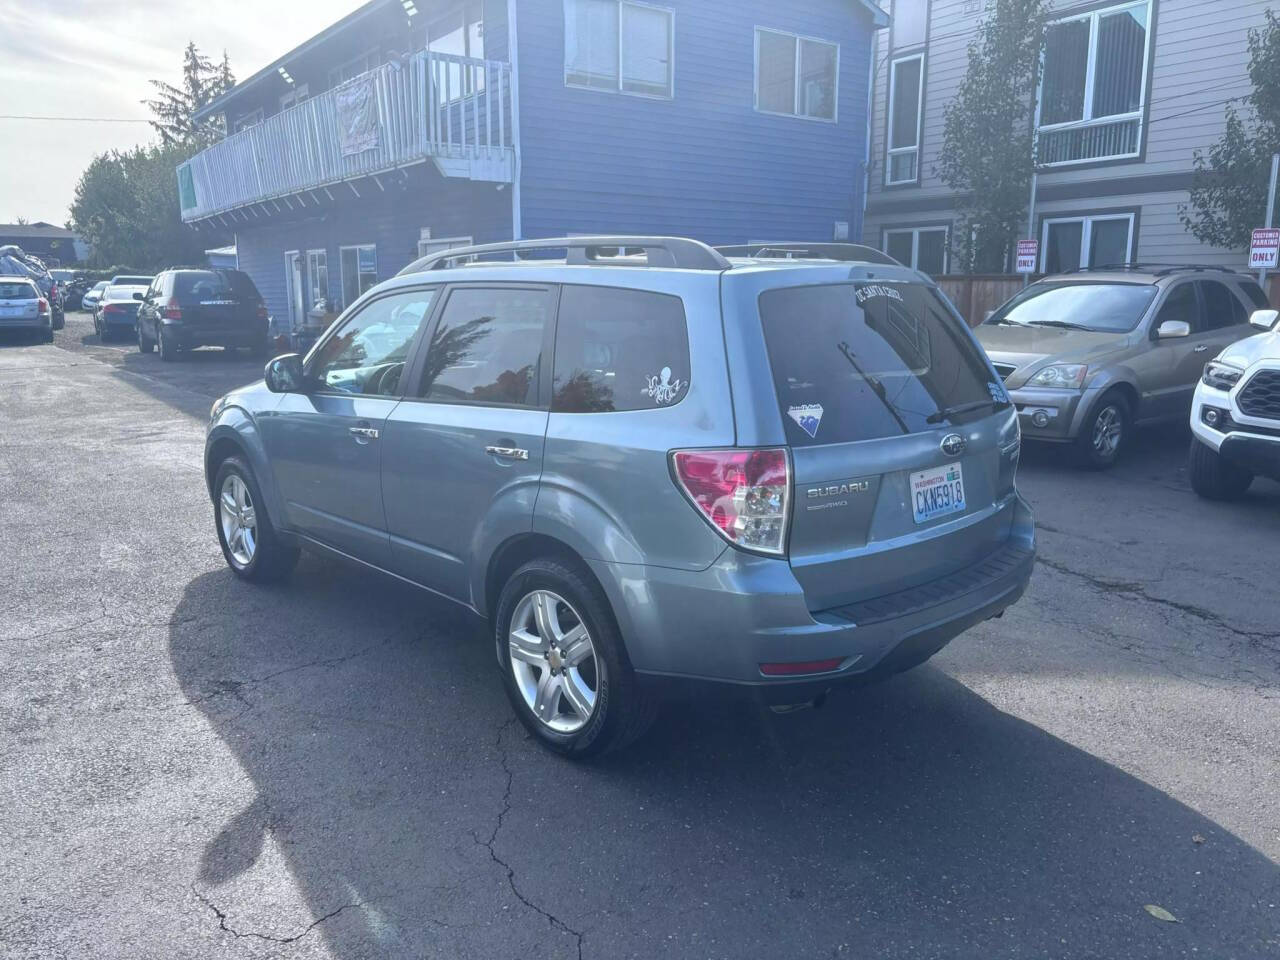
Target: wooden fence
{"points": [[976, 295]]}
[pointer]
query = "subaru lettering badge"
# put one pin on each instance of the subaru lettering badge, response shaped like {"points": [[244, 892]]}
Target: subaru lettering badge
{"points": [[953, 444]]}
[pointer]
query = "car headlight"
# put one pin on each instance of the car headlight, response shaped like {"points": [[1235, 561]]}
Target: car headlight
{"points": [[1062, 375], [1221, 376]]}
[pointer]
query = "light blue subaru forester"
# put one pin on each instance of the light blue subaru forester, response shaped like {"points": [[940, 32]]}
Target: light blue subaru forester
{"points": [[649, 464]]}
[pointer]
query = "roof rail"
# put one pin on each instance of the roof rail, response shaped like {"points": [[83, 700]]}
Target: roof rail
{"points": [[676, 252], [790, 250], [1156, 269]]}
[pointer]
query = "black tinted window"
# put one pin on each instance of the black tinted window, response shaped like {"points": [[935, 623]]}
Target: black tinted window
{"points": [[195, 285], [1222, 308], [488, 346], [1181, 305], [1255, 295], [619, 350], [860, 361]]}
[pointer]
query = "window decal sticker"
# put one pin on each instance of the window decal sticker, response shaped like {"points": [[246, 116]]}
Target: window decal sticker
{"points": [[662, 390], [808, 416], [998, 393]]}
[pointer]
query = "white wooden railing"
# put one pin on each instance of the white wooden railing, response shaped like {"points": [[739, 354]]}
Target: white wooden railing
{"points": [[453, 110]]}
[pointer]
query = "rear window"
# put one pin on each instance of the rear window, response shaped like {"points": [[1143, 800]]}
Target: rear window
{"points": [[862, 361], [196, 285], [1103, 307], [1255, 295], [132, 281], [619, 350], [17, 291]]}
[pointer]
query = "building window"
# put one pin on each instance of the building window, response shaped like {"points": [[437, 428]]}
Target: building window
{"points": [[796, 76], [354, 68], [295, 96], [910, 23], [359, 271], [906, 101], [1094, 87], [1073, 243], [247, 121], [427, 246], [619, 46], [318, 277], [921, 248]]}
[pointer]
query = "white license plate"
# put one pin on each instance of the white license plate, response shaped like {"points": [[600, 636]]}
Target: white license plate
{"points": [[937, 492]]}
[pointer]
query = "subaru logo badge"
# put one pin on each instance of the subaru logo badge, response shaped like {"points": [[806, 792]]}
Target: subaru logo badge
{"points": [[953, 444]]}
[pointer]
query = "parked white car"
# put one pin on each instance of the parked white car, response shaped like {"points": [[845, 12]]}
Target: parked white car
{"points": [[1235, 415]]}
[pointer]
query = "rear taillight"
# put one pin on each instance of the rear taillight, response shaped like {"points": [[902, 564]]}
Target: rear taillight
{"points": [[744, 494], [262, 311], [172, 311], [113, 308], [43, 306]]}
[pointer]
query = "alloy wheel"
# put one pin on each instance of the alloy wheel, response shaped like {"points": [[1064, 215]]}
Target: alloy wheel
{"points": [[554, 662], [1107, 431], [239, 520]]}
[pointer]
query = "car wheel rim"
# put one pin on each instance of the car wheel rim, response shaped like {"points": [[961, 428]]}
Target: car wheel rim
{"points": [[553, 661], [1107, 430], [239, 520]]}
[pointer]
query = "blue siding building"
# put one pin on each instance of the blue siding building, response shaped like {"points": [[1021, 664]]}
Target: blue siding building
{"points": [[415, 125]]}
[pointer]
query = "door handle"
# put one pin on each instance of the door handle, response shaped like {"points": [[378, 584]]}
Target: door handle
{"points": [[1201, 348], [507, 453], [364, 433]]}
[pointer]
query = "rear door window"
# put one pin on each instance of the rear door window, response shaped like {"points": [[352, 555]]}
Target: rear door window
{"points": [[863, 361], [1222, 308], [619, 350], [487, 347], [1255, 295]]}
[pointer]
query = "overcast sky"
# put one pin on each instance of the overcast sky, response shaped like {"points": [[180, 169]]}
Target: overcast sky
{"points": [[93, 58]]}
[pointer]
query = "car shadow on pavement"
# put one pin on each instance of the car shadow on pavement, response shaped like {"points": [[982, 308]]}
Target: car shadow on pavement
{"points": [[394, 807]]}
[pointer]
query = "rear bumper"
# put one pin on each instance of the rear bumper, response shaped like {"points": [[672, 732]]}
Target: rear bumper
{"points": [[687, 629], [188, 336], [26, 323]]}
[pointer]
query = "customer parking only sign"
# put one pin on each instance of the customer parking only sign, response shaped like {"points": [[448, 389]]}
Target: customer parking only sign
{"points": [[1028, 255], [1264, 251]]}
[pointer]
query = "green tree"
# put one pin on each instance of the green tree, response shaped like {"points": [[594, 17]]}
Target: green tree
{"points": [[988, 145], [174, 107], [1229, 192], [126, 209]]}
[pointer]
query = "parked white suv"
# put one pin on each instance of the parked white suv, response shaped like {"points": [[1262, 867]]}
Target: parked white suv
{"points": [[1235, 415]]}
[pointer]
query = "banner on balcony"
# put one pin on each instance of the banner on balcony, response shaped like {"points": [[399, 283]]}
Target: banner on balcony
{"points": [[357, 117]]}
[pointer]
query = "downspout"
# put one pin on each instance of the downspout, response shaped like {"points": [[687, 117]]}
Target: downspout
{"points": [[513, 57]]}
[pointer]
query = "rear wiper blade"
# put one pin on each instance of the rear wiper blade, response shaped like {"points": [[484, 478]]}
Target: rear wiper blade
{"points": [[960, 408]]}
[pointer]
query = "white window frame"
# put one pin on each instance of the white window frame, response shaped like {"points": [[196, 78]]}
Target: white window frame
{"points": [[671, 53], [311, 278], [915, 243], [441, 244], [1086, 234], [797, 38], [372, 55], [1094, 17], [889, 151], [250, 119], [299, 93], [347, 299]]}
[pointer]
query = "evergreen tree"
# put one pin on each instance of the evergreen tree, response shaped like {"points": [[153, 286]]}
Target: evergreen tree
{"points": [[174, 107]]}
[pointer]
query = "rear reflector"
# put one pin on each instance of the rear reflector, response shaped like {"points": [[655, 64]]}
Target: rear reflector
{"points": [[744, 494], [799, 669]]}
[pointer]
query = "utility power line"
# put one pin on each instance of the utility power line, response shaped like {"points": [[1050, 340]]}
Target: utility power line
{"points": [[17, 116]]}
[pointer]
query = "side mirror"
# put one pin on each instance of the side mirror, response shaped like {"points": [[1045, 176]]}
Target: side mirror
{"points": [[1264, 319], [284, 374], [1173, 329], [139, 297]]}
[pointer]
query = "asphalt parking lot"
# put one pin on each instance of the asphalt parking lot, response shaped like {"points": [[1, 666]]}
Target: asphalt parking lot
{"points": [[193, 767]]}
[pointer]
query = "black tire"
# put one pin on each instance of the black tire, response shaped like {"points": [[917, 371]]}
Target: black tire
{"points": [[1213, 476], [623, 710], [1112, 410], [273, 557], [144, 345], [168, 349]]}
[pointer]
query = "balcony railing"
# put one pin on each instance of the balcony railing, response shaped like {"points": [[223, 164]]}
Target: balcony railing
{"points": [[453, 110], [1088, 140]]}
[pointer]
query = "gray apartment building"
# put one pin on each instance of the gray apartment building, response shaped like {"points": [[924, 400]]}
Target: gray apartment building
{"points": [[1130, 90]]}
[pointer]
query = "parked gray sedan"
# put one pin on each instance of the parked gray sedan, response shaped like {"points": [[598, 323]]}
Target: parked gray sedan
{"points": [[23, 307], [767, 470], [1086, 356]]}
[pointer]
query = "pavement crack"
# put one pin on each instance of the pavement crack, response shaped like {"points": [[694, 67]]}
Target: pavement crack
{"points": [[1138, 591], [255, 935], [555, 922]]}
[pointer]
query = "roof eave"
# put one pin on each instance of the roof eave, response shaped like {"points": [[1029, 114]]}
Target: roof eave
{"points": [[879, 19]]}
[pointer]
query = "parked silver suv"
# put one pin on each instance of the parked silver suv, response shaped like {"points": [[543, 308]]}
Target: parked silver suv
{"points": [[1088, 355], [648, 464]]}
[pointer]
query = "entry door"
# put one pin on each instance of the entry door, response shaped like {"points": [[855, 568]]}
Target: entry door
{"points": [[462, 455], [326, 445], [293, 262]]}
